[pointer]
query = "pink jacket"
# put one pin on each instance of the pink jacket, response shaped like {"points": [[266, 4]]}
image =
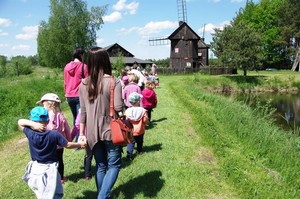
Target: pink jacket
{"points": [[76, 127], [59, 122], [129, 88], [73, 77], [149, 98]]}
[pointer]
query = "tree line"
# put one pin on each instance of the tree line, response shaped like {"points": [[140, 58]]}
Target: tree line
{"points": [[262, 35]]}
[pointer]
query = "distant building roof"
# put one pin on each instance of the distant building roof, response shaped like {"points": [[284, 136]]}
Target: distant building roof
{"points": [[115, 49]]}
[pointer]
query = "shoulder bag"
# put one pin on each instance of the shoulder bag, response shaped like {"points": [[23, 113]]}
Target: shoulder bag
{"points": [[121, 129]]}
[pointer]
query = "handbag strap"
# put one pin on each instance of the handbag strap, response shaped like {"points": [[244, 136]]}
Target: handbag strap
{"points": [[82, 71], [111, 102]]}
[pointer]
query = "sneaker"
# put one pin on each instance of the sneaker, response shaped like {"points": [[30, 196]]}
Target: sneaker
{"points": [[63, 180], [129, 157], [88, 178]]}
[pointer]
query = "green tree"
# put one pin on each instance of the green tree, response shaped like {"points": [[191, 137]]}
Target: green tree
{"points": [[289, 21], [3, 61], [70, 25], [237, 45], [19, 65], [263, 17], [118, 64]]}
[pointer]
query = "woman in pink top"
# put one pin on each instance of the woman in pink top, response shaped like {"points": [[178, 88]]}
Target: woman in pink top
{"points": [[74, 72]]}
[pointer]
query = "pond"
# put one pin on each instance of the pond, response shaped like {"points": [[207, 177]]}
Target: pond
{"points": [[287, 106]]}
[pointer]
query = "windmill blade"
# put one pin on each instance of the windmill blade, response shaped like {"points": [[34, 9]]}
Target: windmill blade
{"points": [[158, 41], [182, 11]]}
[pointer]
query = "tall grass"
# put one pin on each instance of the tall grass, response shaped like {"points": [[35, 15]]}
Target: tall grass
{"points": [[19, 94], [256, 157]]}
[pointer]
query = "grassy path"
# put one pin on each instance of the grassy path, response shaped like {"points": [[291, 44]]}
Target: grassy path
{"points": [[200, 145], [174, 164]]}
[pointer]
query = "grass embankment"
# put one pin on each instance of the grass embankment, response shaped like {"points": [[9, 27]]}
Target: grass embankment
{"points": [[200, 146]]}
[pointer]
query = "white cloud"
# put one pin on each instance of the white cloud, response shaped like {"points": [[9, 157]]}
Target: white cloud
{"points": [[113, 17], [99, 41], [4, 45], [122, 6], [126, 31], [21, 47], [30, 33], [209, 28], [156, 27], [3, 33], [4, 22], [150, 28], [236, 1]]}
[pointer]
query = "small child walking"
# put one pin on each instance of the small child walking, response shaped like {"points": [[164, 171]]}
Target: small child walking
{"points": [[88, 152], [137, 115], [132, 86], [57, 121], [149, 98], [41, 172]]}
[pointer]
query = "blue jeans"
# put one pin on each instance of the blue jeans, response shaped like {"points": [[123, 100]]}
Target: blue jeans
{"points": [[108, 164], [74, 106]]}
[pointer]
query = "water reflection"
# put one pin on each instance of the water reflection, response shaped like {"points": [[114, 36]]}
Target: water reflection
{"points": [[287, 106]]}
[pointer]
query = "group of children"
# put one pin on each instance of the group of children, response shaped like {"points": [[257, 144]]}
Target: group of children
{"points": [[139, 102], [48, 133]]}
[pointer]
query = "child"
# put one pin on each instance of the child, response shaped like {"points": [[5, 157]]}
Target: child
{"points": [[57, 121], [132, 86], [41, 172], [138, 117], [88, 152], [149, 98]]}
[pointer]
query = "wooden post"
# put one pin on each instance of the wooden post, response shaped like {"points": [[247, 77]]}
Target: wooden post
{"points": [[17, 67]]}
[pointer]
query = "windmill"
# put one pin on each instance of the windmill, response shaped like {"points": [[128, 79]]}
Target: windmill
{"points": [[182, 17], [188, 50]]}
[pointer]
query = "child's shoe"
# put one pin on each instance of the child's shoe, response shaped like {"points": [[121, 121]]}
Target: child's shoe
{"points": [[63, 180], [129, 157]]}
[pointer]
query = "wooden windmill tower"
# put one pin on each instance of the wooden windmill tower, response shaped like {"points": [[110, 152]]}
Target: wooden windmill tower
{"points": [[188, 50]]}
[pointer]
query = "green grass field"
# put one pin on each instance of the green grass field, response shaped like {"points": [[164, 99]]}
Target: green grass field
{"points": [[200, 145]]}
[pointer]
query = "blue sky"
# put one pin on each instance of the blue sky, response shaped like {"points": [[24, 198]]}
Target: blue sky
{"points": [[130, 23]]}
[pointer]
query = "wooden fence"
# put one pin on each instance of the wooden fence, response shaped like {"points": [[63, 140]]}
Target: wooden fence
{"points": [[206, 70]]}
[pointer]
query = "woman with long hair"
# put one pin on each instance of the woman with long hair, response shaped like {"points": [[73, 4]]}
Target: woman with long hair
{"points": [[94, 94]]}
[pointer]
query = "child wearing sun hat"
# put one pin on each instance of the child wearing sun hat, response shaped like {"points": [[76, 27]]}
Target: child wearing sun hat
{"points": [[57, 121]]}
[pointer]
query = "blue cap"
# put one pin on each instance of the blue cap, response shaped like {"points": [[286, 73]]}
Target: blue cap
{"points": [[39, 114]]}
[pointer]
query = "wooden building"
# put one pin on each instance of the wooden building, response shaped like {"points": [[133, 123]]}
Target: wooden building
{"points": [[188, 50], [129, 59]]}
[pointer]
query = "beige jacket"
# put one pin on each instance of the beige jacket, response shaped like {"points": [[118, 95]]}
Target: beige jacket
{"points": [[96, 115]]}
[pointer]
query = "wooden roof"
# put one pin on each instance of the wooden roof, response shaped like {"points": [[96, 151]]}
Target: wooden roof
{"points": [[129, 58], [185, 32], [114, 49]]}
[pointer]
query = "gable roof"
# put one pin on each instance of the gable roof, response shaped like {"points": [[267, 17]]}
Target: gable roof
{"points": [[129, 58], [114, 49], [185, 32], [202, 45]]}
